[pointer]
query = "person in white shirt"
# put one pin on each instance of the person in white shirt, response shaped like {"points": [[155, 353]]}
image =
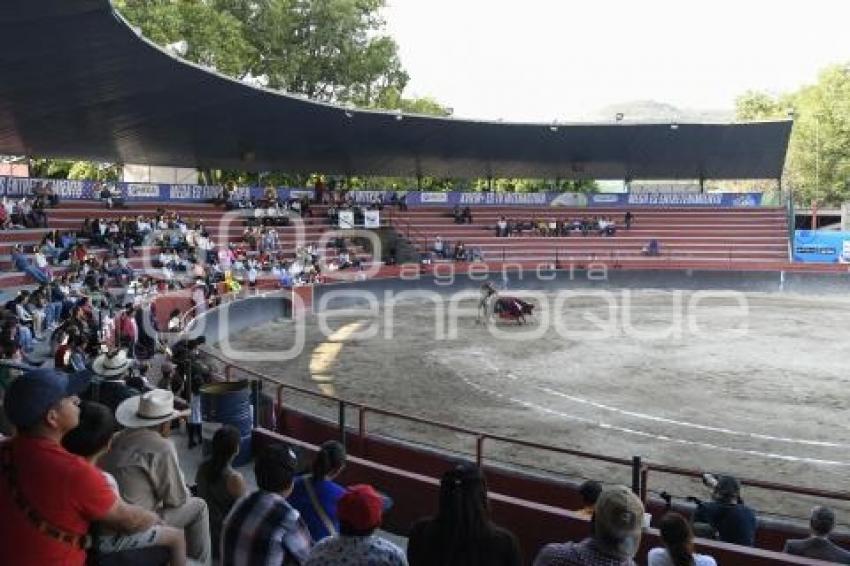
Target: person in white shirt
{"points": [[678, 550]]}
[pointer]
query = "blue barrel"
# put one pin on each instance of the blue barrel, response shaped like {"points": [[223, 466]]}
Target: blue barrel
{"points": [[228, 402]]}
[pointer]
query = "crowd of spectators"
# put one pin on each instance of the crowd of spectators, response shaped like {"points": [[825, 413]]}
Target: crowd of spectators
{"points": [[91, 467], [456, 252], [586, 225]]}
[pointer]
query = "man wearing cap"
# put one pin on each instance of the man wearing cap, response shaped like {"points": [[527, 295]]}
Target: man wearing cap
{"points": [[727, 515], [263, 528], [148, 472], [818, 544], [49, 496], [617, 522], [360, 511]]}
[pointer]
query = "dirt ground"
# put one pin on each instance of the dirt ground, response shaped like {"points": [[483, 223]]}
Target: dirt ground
{"points": [[754, 385]]}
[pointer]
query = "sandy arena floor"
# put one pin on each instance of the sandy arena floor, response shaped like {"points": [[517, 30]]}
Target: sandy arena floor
{"points": [[755, 385]]}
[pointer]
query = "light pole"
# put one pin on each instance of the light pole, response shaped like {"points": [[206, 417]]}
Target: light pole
{"points": [[817, 194]]}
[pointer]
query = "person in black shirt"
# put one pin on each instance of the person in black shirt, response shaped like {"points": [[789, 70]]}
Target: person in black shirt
{"points": [[727, 516], [462, 533]]}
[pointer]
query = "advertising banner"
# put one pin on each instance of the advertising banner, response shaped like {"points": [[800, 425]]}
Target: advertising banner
{"points": [[346, 219], [372, 219], [815, 246], [16, 187]]}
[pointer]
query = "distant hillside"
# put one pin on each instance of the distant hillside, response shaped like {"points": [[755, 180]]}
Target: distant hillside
{"points": [[654, 111]]}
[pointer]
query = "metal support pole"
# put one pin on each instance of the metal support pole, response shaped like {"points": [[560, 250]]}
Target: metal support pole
{"points": [[256, 387], [341, 422], [644, 482], [636, 468], [361, 431]]}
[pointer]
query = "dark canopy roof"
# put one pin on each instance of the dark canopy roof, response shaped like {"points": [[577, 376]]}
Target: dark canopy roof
{"points": [[77, 82]]}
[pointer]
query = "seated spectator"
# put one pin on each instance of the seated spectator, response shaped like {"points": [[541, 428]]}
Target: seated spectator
{"points": [[263, 528], [174, 324], [5, 220], [22, 264], [502, 227], [678, 539], [462, 534], [652, 248], [45, 522], [606, 227], [316, 495], [145, 465], [818, 545], [727, 517], [110, 386], [217, 482], [589, 492], [439, 247], [617, 524], [460, 252], [90, 440], [466, 215], [360, 514]]}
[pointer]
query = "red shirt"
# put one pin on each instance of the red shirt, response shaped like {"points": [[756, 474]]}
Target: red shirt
{"points": [[64, 489]]}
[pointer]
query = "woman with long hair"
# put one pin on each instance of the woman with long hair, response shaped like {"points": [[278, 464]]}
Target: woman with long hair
{"points": [[678, 550], [462, 533], [217, 482], [316, 495]]}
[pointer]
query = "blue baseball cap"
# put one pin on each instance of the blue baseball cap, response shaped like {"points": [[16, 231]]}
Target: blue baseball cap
{"points": [[33, 393]]}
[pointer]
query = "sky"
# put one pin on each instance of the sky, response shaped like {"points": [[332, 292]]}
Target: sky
{"points": [[542, 60]]}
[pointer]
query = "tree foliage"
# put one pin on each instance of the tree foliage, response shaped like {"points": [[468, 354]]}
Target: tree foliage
{"points": [[327, 50], [818, 163]]}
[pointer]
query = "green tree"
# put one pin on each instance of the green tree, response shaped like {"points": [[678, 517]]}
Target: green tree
{"points": [[214, 38], [818, 163]]}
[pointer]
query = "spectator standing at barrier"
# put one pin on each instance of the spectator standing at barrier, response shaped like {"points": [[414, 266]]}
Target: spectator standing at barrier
{"points": [[617, 524], [462, 533], [49, 496], [818, 545], [726, 517], [90, 440], [218, 483], [316, 495], [678, 539], [263, 528], [360, 514], [147, 469], [589, 492]]}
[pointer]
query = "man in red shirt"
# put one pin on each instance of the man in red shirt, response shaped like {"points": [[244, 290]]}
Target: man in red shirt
{"points": [[49, 496]]}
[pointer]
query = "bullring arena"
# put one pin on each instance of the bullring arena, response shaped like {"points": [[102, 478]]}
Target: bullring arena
{"points": [[682, 322], [736, 377]]}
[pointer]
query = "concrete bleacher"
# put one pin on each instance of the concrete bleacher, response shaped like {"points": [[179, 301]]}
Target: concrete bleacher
{"points": [[685, 234], [223, 226]]}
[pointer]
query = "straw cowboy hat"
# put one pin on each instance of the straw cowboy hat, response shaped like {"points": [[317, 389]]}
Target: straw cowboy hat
{"points": [[148, 409], [111, 364]]}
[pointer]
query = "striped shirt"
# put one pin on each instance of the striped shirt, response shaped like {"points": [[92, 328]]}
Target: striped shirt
{"points": [[262, 529]]}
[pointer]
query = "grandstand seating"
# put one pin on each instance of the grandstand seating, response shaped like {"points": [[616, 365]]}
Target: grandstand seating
{"points": [[70, 215], [685, 234], [535, 524]]}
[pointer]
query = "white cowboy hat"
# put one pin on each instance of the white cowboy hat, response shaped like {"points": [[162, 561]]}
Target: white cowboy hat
{"points": [[113, 363], [148, 409]]}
